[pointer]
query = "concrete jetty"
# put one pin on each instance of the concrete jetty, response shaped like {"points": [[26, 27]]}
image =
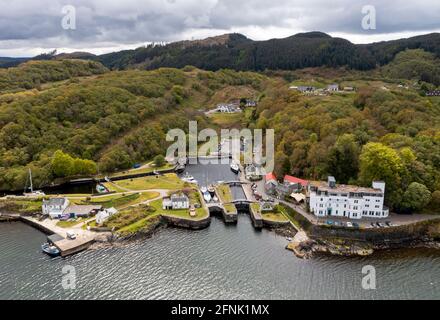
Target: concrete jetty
{"points": [[84, 238]]}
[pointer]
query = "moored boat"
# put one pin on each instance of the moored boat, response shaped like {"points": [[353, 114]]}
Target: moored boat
{"points": [[189, 178], [33, 193], [207, 196], [100, 188], [235, 168], [51, 250]]}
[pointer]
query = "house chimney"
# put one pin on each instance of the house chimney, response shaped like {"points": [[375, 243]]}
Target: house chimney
{"points": [[379, 185], [331, 182]]}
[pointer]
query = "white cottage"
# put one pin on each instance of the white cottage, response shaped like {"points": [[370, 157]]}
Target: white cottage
{"points": [[104, 215], [175, 202], [55, 207]]}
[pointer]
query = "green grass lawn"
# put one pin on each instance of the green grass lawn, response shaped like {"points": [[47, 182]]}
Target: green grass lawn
{"points": [[127, 217], [148, 169], [21, 206], [226, 120], [168, 181], [121, 201], [225, 194], [277, 217], [70, 223]]}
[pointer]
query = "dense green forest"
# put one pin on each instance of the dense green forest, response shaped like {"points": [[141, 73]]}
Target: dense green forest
{"points": [[387, 129], [33, 74], [114, 120], [383, 131], [235, 51]]}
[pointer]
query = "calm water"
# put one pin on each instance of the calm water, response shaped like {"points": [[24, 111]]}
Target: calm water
{"points": [[221, 262]]}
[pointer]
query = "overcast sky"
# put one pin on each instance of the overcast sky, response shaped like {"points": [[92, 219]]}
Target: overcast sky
{"points": [[30, 27]]}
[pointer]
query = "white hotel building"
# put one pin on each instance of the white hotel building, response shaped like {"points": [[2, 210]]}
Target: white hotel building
{"points": [[330, 200]]}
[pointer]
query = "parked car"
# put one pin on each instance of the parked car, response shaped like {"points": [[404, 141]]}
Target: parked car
{"points": [[329, 222], [381, 225], [349, 225], [389, 224], [338, 224], [373, 225], [355, 225], [71, 235]]}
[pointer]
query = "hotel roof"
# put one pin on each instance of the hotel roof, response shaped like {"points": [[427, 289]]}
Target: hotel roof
{"points": [[341, 188]]}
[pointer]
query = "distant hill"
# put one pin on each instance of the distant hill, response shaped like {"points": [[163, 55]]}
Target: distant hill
{"points": [[11, 62], [237, 52], [32, 74], [415, 64]]}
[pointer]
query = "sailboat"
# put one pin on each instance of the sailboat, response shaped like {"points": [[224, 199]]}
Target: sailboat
{"points": [[33, 193]]}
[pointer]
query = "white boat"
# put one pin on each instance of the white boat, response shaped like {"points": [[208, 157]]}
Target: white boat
{"points": [[189, 178], [215, 199], [235, 168], [50, 250], [203, 189], [33, 193], [207, 196]]}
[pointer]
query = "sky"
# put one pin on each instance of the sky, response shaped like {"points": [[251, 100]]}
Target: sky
{"points": [[31, 27]]}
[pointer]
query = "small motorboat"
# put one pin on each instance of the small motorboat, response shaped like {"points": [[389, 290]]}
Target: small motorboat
{"points": [[100, 188], [215, 199], [203, 189], [254, 186], [289, 239], [207, 196], [51, 250], [189, 178], [36, 193], [235, 168]]}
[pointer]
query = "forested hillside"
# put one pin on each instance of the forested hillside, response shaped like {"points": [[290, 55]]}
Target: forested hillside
{"points": [[114, 120], [382, 132], [385, 130], [235, 51], [33, 74]]}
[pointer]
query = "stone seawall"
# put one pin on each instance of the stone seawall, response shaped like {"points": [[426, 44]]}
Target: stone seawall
{"points": [[275, 224], [385, 236], [187, 224]]}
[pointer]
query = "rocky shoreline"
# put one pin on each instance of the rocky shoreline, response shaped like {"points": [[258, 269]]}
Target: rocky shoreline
{"points": [[309, 248]]}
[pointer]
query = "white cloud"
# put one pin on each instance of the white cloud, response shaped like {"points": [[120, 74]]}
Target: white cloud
{"points": [[31, 26]]}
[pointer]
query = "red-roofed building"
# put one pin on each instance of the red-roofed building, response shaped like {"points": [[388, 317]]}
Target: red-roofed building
{"points": [[300, 183], [270, 177], [271, 184]]}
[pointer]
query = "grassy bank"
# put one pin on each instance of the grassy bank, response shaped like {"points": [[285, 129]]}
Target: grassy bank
{"points": [[296, 218], [167, 181]]}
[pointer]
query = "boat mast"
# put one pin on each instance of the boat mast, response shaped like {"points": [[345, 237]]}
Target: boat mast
{"points": [[30, 178]]}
